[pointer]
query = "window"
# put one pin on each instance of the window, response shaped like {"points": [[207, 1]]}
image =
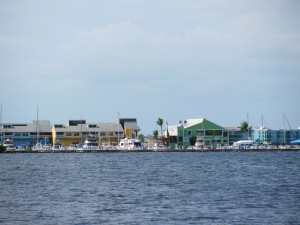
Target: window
{"points": [[17, 134], [189, 132], [213, 132], [68, 134], [76, 134], [102, 133], [225, 133]]}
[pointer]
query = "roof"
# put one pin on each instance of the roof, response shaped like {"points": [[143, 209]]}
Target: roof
{"points": [[173, 130], [110, 127], [129, 123], [42, 125], [201, 124]]}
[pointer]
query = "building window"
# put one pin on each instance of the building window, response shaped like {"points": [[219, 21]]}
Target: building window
{"points": [[111, 134], [68, 134], [17, 134], [189, 132], [76, 134], [102, 133]]}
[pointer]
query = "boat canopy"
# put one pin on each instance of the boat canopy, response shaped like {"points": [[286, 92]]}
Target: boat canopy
{"points": [[295, 142]]}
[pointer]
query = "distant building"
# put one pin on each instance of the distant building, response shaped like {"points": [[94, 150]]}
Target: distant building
{"points": [[277, 137], [202, 129], [27, 134], [129, 126], [235, 134], [76, 131]]}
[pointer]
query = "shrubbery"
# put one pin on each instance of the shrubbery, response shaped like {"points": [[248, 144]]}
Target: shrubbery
{"points": [[2, 148]]}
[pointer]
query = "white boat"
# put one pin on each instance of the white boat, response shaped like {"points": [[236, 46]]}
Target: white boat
{"points": [[243, 144], [159, 146], [130, 144], [9, 145], [199, 144], [90, 143]]}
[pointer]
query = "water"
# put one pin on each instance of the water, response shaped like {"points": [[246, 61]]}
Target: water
{"points": [[150, 188]]}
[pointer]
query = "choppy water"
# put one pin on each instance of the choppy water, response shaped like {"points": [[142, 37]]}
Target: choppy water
{"points": [[150, 188]]}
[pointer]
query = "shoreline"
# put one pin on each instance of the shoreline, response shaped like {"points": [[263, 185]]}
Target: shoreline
{"points": [[150, 150]]}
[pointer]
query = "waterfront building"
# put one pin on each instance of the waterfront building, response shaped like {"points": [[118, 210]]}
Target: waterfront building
{"points": [[130, 127], [27, 134], [202, 129], [235, 134], [76, 131], [276, 137]]}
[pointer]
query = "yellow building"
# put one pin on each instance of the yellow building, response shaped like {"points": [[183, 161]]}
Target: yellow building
{"points": [[76, 131], [130, 127]]}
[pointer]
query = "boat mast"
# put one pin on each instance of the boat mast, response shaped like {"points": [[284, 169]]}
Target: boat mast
{"points": [[118, 128], [37, 124], [248, 126], [81, 127], [283, 129]]}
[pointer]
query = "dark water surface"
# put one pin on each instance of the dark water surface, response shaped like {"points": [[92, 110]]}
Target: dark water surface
{"points": [[150, 188]]}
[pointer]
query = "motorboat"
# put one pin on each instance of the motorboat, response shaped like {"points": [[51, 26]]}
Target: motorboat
{"points": [[159, 146], [130, 144], [243, 144], [90, 143], [9, 145]]}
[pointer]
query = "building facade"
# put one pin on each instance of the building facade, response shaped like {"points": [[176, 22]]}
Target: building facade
{"points": [[202, 129], [75, 132], [27, 134]]}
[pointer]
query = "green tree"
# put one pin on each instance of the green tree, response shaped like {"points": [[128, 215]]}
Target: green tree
{"points": [[192, 140], [244, 128], [155, 134], [141, 138], [160, 123], [2, 148]]}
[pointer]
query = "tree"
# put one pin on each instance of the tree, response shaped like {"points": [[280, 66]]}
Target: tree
{"points": [[160, 123], [192, 140], [141, 138], [2, 148], [244, 127], [155, 134]]}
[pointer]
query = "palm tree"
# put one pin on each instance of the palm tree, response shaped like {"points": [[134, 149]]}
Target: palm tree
{"points": [[160, 123], [155, 134], [244, 127]]}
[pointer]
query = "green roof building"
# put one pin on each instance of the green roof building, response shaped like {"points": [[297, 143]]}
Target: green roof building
{"points": [[205, 131]]}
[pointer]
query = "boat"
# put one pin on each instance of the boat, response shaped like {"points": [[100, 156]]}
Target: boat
{"points": [[159, 146], [9, 145], [130, 144], [243, 144], [90, 143], [57, 145], [43, 145]]}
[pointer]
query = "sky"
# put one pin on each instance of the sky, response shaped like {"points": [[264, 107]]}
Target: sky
{"points": [[216, 59]]}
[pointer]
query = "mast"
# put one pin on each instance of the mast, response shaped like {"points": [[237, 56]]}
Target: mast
{"points": [[81, 127], [284, 129], [248, 126], [37, 124], [118, 128]]}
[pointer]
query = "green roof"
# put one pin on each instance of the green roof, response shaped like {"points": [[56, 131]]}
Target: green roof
{"points": [[202, 124]]}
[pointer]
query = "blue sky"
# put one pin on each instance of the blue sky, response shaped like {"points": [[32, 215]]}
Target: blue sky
{"points": [[218, 59]]}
